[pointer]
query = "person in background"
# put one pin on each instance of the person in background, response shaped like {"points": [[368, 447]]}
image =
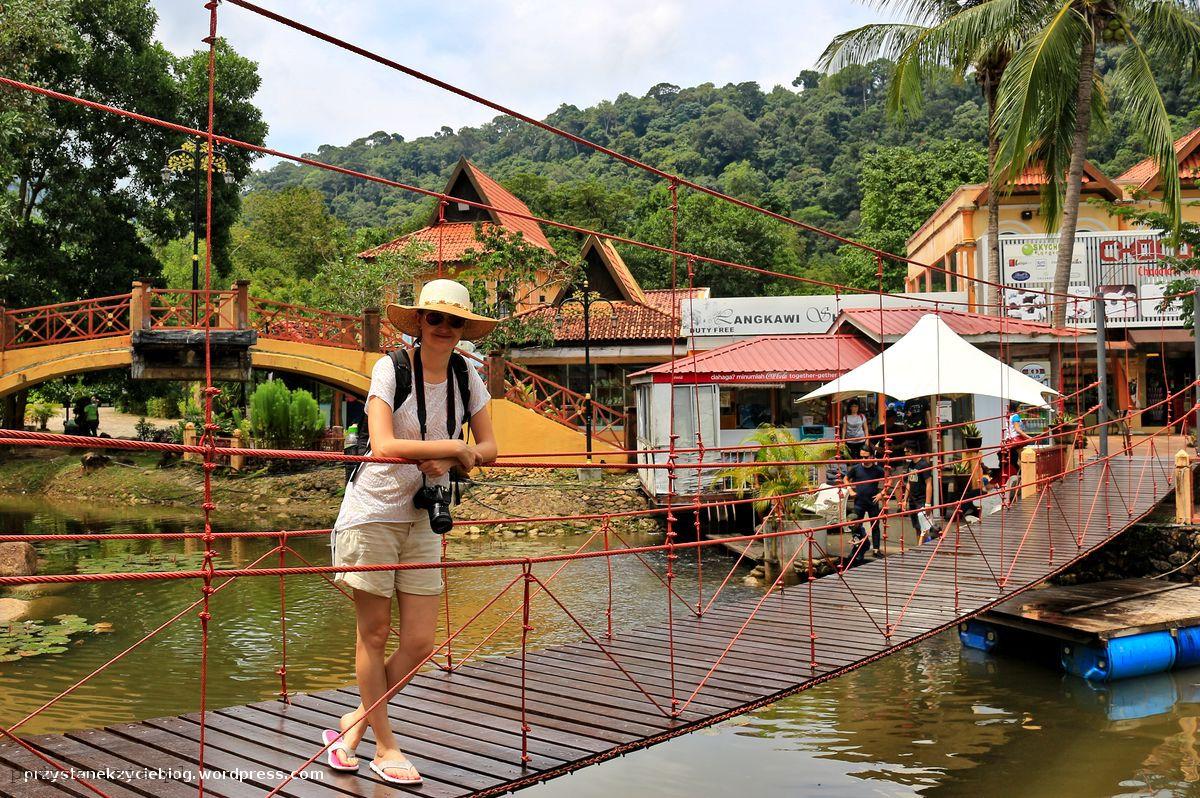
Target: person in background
{"points": [[854, 430], [1013, 437], [888, 435], [918, 489], [91, 416], [864, 481], [80, 412]]}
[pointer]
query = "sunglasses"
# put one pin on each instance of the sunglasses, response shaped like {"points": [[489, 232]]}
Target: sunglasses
{"points": [[435, 318]]}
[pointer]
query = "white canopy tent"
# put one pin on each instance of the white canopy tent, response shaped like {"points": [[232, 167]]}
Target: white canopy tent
{"points": [[931, 359]]}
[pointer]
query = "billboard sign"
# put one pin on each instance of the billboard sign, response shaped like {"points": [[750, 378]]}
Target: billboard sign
{"points": [[1125, 268]]}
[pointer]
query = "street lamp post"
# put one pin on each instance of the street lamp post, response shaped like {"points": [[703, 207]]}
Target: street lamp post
{"points": [[189, 158], [585, 300]]}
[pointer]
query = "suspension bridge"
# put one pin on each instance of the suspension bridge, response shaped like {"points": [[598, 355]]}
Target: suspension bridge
{"points": [[478, 726]]}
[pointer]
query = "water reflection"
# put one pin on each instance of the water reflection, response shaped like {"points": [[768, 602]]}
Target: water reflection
{"points": [[934, 720], [162, 676]]}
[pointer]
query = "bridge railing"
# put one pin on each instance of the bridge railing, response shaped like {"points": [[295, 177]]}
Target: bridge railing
{"points": [[525, 388], [172, 308], [283, 321], [86, 319]]}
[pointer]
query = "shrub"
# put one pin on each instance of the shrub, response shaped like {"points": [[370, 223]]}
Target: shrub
{"points": [[162, 407], [305, 420], [39, 413]]}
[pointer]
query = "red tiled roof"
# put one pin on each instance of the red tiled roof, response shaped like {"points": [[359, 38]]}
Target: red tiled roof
{"points": [[898, 321], [503, 200], [1143, 175], [1033, 178], [627, 321], [458, 237], [769, 358], [454, 238]]}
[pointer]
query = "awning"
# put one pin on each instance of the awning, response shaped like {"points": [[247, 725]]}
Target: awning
{"points": [[932, 359], [1160, 335], [767, 358]]}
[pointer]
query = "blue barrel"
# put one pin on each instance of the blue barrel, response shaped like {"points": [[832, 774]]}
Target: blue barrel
{"points": [[1187, 647], [1121, 657], [978, 635]]}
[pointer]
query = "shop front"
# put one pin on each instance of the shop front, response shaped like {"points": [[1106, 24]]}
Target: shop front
{"points": [[719, 398]]}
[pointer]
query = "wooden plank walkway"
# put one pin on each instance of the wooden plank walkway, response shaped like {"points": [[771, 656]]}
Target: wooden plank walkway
{"points": [[463, 729]]}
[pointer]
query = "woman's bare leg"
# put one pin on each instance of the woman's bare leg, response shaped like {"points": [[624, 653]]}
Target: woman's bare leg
{"points": [[418, 627]]}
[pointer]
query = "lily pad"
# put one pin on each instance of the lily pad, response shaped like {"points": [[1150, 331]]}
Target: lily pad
{"points": [[33, 638]]}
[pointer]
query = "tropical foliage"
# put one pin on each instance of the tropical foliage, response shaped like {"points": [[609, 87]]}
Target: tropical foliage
{"points": [[773, 477]]}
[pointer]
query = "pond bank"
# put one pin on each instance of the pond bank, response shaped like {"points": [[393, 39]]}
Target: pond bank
{"points": [[311, 497]]}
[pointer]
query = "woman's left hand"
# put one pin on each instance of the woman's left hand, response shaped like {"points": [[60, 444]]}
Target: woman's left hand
{"points": [[437, 468]]}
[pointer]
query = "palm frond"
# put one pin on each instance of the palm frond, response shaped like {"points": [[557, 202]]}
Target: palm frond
{"points": [[867, 43], [1134, 78], [1169, 30], [1035, 106]]}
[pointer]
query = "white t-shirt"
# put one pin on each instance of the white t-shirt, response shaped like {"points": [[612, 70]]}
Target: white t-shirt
{"points": [[384, 491]]}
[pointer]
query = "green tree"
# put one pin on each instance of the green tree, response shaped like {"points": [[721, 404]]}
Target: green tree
{"points": [[350, 284], [283, 241], [715, 229], [82, 191], [901, 188], [1051, 97], [505, 272]]}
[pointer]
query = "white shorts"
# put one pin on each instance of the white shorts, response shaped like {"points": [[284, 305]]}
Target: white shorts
{"points": [[385, 543]]}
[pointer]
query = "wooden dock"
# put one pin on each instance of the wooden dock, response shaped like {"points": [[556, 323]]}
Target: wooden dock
{"points": [[1101, 610], [463, 731]]}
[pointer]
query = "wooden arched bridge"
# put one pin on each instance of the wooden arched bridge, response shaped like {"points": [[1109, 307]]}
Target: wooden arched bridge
{"points": [[50, 341]]}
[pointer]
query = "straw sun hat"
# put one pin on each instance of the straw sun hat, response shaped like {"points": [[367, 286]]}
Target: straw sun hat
{"points": [[444, 296]]}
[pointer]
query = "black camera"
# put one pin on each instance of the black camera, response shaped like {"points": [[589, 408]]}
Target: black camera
{"points": [[435, 499]]}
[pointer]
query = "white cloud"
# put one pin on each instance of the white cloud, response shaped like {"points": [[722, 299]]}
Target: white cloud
{"points": [[527, 54]]}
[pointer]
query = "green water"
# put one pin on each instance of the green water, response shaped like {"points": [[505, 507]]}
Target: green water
{"points": [[933, 720]]}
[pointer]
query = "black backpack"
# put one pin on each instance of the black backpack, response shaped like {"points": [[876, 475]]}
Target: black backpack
{"points": [[404, 380]]}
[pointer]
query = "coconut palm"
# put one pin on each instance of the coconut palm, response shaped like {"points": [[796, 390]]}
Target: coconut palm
{"points": [[1051, 99], [948, 34]]}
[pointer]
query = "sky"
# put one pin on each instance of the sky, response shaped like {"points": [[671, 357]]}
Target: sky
{"points": [[531, 56]]}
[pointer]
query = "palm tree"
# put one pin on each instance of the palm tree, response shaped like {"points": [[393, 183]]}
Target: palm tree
{"points": [[1051, 98], [939, 33]]}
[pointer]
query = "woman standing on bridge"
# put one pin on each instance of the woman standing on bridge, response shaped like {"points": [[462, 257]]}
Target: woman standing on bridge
{"points": [[379, 523]]}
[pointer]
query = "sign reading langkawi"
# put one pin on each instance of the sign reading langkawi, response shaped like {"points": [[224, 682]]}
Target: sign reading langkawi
{"points": [[1125, 268], [786, 315]]}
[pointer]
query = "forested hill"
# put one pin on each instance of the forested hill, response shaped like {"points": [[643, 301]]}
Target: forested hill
{"points": [[798, 150]]}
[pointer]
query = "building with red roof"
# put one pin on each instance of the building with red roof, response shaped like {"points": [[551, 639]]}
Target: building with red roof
{"points": [[1112, 257], [449, 235]]}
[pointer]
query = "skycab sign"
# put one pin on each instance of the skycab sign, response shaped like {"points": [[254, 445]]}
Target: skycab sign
{"points": [[1129, 269]]}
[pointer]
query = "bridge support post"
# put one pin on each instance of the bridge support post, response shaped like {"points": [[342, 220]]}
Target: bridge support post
{"points": [[1184, 508], [189, 439], [1029, 483], [370, 330], [139, 307], [242, 304], [237, 461], [495, 377]]}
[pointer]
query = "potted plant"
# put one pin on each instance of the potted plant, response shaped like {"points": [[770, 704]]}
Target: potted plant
{"points": [[954, 478], [1070, 430], [771, 474], [972, 437]]}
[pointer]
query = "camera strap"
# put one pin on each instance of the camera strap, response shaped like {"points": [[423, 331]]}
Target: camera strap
{"points": [[419, 379]]}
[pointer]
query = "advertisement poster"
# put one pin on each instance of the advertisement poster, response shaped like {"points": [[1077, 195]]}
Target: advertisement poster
{"points": [[1036, 370], [1125, 268]]}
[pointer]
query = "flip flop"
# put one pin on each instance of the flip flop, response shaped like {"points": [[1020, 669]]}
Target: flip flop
{"points": [[381, 769], [338, 756]]}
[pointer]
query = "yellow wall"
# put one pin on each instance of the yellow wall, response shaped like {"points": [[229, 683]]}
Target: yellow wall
{"points": [[520, 430], [962, 219]]}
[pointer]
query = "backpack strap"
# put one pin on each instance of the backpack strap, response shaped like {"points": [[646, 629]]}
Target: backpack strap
{"points": [[458, 365], [403, 369]]}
